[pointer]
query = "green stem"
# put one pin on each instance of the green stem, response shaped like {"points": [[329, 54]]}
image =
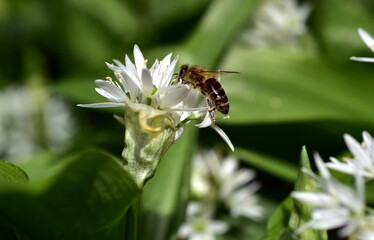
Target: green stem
{"points": [[131, 223]]}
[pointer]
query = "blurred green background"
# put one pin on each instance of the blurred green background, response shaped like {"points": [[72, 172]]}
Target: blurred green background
{"points": [[285, 96]]}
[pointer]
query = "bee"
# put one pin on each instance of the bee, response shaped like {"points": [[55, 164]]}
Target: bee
{"points": [[208, 84]]}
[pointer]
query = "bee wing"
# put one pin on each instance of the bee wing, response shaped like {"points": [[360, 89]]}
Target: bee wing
{"points": [[216, 74]]}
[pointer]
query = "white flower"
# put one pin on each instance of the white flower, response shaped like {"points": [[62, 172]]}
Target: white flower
{"points": [[336, 205], [369, 41], [31, 122], [278, 22], [199, 224], [201, 183], [363, 157], [152, 93], [232, 184]]}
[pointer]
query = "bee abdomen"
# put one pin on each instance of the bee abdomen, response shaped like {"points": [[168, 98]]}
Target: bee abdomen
{"points": [[217, 95]]}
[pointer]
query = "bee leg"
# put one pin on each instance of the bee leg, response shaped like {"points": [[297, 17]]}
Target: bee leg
{"points": [[211, 110]]}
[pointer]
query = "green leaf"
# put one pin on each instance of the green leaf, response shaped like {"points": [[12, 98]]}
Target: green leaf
{"points": [[41, 166], [10, 173], [278, 223], [271, 165], [291, 86], [221, 22], [165, 195], [86, 199], [301, 212], [170, 12]]}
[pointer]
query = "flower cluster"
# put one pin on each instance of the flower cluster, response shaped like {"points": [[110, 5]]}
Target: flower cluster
{"points": [[278, 23], [337, 205], [156, 110], [153, 93], [219, 182], [30, 123]]}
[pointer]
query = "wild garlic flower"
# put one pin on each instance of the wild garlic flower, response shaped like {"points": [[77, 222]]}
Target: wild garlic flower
{"points": [[152, 93], [369, 41], [149, 92], [363, 157], [199, 224], [216, 179], [31, 122], [336, 205], [156, 110], [278, 23]]}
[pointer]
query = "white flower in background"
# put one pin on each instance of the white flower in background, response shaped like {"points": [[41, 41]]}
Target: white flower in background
{"points": [[233, 186], [27, 127], [278, 23], [236, 189], [363, 157], [369, 41], [336, 205], [201, 183], [199, 224], [152, 93]]}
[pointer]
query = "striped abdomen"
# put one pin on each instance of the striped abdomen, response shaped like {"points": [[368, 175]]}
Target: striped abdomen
{"points": [[214, 91]]}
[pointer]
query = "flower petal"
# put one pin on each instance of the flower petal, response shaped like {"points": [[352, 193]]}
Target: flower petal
{"points": [[223, 135], [345, 167], [173, 97], [369, 41], [112, 90], [368, 139], [139, 60], [323, 171], [357, 150], [147, 82], [101, 105], [168, 72], [314, 198], [206, 122], [131, 71], [362, 59], [130, 83], [330, 218]]}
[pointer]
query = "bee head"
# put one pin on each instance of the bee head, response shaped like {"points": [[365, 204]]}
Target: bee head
{"points": [[182, 72]]}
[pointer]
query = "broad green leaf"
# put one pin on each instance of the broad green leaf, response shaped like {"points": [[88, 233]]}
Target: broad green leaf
{"points": [[278, 223], [277, 86], [220, 24], [41, 166], [10, 173], [165, 195], [271, 165], [301, 212], [86, 199]]}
